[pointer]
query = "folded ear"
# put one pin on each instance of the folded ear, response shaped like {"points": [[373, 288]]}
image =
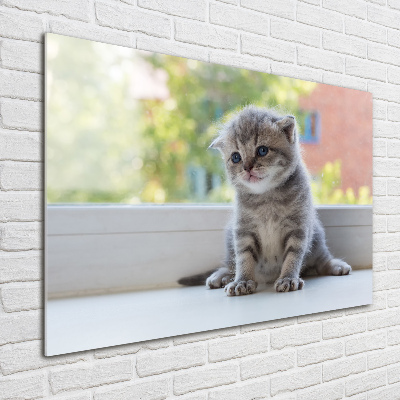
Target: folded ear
{"points": [[288, 126], [217, 143]]}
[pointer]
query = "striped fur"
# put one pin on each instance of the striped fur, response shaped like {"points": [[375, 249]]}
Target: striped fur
{"points": [[275, 233]]}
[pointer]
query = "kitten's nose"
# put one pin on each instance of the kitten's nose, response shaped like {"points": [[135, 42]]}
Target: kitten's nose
{"points": [[248, 167]]}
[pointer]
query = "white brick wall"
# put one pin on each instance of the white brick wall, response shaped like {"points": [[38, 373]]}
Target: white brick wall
{"points": [[352, 43]]}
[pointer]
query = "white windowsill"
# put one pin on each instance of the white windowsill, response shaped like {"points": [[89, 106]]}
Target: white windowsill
{"points": [[84, 323]]}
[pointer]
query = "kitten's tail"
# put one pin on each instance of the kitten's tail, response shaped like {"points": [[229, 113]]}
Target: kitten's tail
{"points": [[196, 280]]}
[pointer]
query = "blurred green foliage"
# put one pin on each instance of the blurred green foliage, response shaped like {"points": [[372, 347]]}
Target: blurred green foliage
{"points": [[326, 188], [104, 145]]}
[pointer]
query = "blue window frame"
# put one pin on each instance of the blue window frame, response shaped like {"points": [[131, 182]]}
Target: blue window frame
{"points": [[312, 128]]}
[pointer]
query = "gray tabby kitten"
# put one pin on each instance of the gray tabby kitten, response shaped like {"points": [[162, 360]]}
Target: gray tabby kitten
{"points": [[275, 233]]}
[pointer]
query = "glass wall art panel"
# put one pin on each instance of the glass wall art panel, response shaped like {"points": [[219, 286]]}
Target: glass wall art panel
{"points": [[184, 196]]}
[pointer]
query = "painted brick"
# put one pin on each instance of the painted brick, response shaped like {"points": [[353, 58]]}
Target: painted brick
{"points": [[22, 296], [76, 9], [296, 71], [379, 187], [29, 356], [394, 4], [383, 319], [382, 358], [21, 176], [366, 69], [270, 48], [386, 393], [315, 2], [393, 260], [20, 206], [379, 110], [393, 374], [238, 18], [318, 353], [393, 38], [226, 349], [316, 58], [386, 205], [343, 327], [22, 85], [393, 298], [329, 391], [22, 114], [153, 389], [23, 387], [115, 16], [193, 9], [394, 221], [18, 327], [393, 112], [344, 81], [173, 48], [344, 44], [16, 25], [383, 54], [293, 32], [319, 17], [394, 75], [365, 342], [23, 56], [384, 91], [21, 236], [354, 8], [381, 167], [379, 148], [200, 336], [294, 380], [365, 382], [26, 146], [393, 336], [174, 359], [205, 377], [20, 266], [387, 280], [379, 223], [86, 376], [205, 35], [242, 391], [386, 242], [267, 364], [89, 32], [393, 187], [365, 30], [240, 60], [386, 129], [296, 335], [384, 16], [343, 367], [284, 9]]}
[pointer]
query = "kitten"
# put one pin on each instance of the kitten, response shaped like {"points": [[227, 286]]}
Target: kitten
{"points": [[275, 233]]}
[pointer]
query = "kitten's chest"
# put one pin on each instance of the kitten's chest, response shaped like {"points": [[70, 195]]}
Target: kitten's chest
{"points": [[269, 231]]}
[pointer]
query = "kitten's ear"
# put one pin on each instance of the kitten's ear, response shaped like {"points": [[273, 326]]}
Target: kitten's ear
{"points": [[217, 143], [288, 126]]}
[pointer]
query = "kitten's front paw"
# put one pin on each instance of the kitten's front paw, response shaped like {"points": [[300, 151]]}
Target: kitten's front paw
{"points": [[289, 284], [240, 288]]}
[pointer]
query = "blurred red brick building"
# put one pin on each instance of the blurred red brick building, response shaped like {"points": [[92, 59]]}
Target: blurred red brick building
{"points": [[341, 121]]}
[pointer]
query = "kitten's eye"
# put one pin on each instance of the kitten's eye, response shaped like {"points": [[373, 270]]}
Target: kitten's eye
{"points": [[262, 151], [236, 157]]}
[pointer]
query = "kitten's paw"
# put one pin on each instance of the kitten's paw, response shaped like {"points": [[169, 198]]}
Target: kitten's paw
{"points": [[337, 267], [289, 284], [240, 288], [219, 278]]}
